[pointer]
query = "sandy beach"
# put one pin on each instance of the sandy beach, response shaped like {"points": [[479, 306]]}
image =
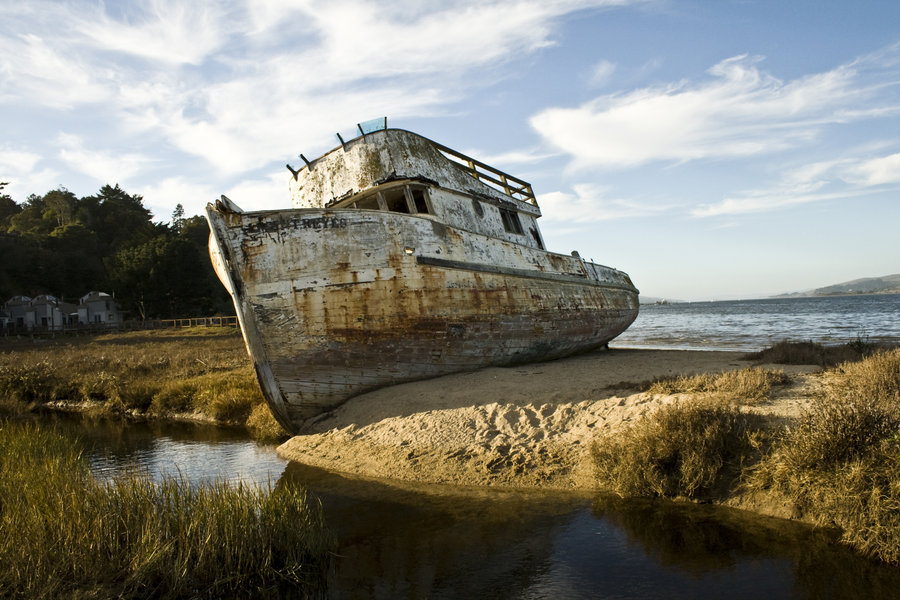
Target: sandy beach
{"points": [[528, 426]]}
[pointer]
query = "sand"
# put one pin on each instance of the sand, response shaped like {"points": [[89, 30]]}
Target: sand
{"points": [[520, 427]]}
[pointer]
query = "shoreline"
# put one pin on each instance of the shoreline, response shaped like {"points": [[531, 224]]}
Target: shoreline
{"points": [[523, 427]]}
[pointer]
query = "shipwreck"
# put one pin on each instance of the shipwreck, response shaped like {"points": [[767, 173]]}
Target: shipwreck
{"points": [[402, 259]]}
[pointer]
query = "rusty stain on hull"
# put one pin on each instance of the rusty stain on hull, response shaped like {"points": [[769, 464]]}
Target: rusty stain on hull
{"points": [[417, 268]]}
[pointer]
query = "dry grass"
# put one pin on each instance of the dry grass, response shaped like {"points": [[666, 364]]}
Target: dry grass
{"points": [[812, 353], [840, 466], [682, 450], [132, 538], [203, 371], [746, 386], [263, 426]]}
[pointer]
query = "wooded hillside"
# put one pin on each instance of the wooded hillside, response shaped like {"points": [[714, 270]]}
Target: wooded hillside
{"points": [[66, 246]]}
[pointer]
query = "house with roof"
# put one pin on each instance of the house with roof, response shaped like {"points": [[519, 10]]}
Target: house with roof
{"points": [[17, 308], [98, 308], [49, 312]]}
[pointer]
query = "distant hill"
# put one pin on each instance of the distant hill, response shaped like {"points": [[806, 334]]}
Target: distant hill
{"points": [[888, 284]]}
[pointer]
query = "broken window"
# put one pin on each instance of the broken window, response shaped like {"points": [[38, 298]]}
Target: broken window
{"points": [[396, 200], [370, 202], [419, 200], [511, 221]]}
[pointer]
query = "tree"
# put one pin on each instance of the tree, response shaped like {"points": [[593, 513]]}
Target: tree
{"points": [[119, 219], [59, 206], [8, 207], [30, 220], [178, 218], [79, 267]]}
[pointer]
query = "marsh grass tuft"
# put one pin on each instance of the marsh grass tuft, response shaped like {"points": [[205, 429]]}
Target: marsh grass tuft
{"points": [[687, 450], [841, 465], [62, 532], [263, 425], [746, 386], [811, 353]]}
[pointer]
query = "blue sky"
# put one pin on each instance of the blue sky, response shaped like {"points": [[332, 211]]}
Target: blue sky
{"points": [[713, 150]]}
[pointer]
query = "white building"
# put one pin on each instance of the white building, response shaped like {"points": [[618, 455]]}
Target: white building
{"points": [[49, 312], [98, 308]]}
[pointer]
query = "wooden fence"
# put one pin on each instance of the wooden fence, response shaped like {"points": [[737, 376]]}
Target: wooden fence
{"points": [[11, 330]]}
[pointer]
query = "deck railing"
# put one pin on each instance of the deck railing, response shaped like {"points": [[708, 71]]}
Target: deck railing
{"points": [[497, 179]]}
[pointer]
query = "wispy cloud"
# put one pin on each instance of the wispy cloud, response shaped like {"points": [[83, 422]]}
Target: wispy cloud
{"points": [[20, 168], [159, 30], [739, 110], [17, 161], [601, 72], [816, 182], [237, 83], [104, 166], [876, 171], [592, 203]]}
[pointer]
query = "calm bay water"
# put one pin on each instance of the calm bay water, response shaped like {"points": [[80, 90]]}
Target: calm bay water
{"points": [[750, 325], [436, 542]]}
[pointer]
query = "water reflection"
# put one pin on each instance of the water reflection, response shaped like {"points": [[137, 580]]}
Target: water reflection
{"points": [[440, 543], [436, 542], [749, 555], [428, 541], [196, 451]]}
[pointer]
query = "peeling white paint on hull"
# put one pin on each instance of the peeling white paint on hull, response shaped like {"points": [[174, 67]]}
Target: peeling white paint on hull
{"points": [[337, 301]]}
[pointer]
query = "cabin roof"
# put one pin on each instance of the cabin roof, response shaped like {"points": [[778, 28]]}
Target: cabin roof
{"points": [[393, 154]]}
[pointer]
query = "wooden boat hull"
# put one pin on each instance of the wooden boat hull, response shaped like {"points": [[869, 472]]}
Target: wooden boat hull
{"points": [[334, 303]]}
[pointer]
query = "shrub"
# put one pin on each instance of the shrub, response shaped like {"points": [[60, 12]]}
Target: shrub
{"points": [[198, 370], [841, 466], [229, 396], [810, 353], [175, 396], [681, 450]]}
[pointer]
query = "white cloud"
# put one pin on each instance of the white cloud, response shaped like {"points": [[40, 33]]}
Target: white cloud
{"points": [[262, 193], [877, 171], [760, 201], [739, 111], [239, 83], [16, 161], [838, 179], [170, 31], [162, 197], [591, 203], [34, 70], [257, 193], [601, 72], [19, 168], [104, 166]]}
